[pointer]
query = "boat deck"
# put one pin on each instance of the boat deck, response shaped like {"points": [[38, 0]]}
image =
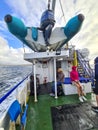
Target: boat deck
{"points": [[74, 117], [42, 114], [63, 113]]}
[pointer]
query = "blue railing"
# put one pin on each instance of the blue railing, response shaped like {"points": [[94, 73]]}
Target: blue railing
{"points": [[9, 92], [85, 65]]}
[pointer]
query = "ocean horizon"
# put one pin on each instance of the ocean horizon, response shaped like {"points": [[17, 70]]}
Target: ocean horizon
{"points": [[10, 75]]}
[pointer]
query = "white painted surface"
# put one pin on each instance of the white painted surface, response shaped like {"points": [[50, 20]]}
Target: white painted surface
{"points": [[70, 89]]}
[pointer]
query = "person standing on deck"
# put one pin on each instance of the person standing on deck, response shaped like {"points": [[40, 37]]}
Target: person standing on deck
{"points": [[95, 108], [60, 80], [60, 75], [75, 81], [32, 85]]}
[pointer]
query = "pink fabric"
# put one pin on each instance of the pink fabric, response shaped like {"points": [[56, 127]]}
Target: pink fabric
{"points": [[74, 74]]}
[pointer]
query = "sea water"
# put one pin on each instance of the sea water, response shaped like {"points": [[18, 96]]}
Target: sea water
{"points": [[9, 77]]}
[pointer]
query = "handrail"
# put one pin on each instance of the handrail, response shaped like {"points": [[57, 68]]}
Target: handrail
{"points": [[10, 91], [85, 65]]}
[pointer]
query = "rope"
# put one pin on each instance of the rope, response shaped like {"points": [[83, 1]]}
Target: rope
{"points": [[62, 10], [23, 48], [49, 4]]}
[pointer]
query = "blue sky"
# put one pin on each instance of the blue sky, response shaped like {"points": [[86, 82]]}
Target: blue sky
{"points": [[5, 9], [29, 11]]}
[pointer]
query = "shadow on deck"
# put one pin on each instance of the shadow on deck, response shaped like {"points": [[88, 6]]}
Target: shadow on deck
{"points": [[74, 117], [45, 88], [63, 113]]}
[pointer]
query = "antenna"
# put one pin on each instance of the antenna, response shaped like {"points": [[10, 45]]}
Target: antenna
{"points": [[62, 10]]}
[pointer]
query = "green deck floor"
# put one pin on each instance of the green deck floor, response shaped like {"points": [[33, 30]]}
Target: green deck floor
{"points": [[39, 113]]}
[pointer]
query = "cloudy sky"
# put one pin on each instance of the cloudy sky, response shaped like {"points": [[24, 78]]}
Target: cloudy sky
{"points": [[29, 11]]}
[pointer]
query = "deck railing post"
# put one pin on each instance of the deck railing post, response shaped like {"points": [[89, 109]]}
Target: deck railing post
{"points": [[55, 78], [35, 90]]}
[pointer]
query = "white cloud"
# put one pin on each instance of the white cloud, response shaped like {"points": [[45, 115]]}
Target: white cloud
{"points": [[88, 35], [30, 12], [9, 55]]}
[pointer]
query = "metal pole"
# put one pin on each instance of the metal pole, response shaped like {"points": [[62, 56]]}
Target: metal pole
{"points": [[55, 78], [35, 90], [53, 5]]}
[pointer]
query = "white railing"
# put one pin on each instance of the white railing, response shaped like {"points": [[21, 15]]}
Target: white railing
{"points": [[19, 92]]}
